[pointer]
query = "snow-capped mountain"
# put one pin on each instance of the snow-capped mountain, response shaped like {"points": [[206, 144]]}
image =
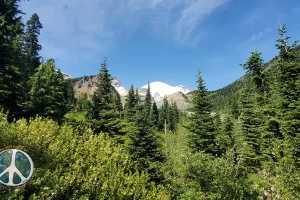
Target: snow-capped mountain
{"points": [[119, 87], [160, 89], [88, 85]]}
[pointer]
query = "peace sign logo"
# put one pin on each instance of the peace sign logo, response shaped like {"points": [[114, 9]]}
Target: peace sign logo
{"points": [[16, 167]]}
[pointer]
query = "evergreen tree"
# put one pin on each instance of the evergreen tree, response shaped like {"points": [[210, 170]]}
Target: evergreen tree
{"points": [[289, 91], [117, 100], [49, 92], [250, 124], [147, 102], [155, 116], [176, 112], [137, 97], [254, 66], [70, 95], [173, 116], [235, 110], [32, 46], [104, 112], [130, 105], [164, 114], [225, 138], [227, 132], [144, 147], [201, 123], [11, 73]]}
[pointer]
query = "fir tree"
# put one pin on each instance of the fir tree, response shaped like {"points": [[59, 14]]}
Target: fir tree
{"points": [[164, 114], [254, 66], [104, 113], [49, 92], [155, 116], [289, 91], [137, 97], [32, 46], [117, 100], [11, 71], [173, 116], [147, 102], [235, 110], [171, 119], [250, 124], [144, 147], [130, 105], [201, 123], [228, 139]]}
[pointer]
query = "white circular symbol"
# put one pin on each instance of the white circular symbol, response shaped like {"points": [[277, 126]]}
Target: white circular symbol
{"points": [[16, 167]]}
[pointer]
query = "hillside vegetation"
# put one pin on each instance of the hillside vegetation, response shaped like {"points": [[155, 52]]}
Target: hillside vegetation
{"points": [[93, 147], [227, 97]]}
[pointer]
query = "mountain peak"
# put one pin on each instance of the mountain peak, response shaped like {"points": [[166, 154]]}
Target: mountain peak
{"points": [[160, 89]]}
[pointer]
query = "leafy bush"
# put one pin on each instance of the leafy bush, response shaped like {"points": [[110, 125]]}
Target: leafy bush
{"points": [[73, 166]]}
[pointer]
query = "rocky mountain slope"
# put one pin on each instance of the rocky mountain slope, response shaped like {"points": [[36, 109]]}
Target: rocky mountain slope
{"points": [[178, 94]]}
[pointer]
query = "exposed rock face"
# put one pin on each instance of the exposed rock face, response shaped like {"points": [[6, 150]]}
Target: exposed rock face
{"points": [[179, 94], [182, 100]]}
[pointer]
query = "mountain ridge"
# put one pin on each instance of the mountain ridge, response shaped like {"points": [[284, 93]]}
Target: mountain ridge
{"points": [[88, 85]]}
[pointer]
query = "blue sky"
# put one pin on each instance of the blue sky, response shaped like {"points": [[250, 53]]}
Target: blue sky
{"points": [[161, 40]]}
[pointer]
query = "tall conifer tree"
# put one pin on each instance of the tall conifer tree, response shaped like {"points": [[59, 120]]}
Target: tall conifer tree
{"points": [[147, 102], [164, 114], [130, 105], [144, 147], [155, 116], [251, 130], [104, 112], [49, 92], [11, 73], [201, 123], [32, 46], [289, 90]]}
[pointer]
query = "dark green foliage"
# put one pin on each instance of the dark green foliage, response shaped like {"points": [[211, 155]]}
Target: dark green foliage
{"points": [[105, 109], [130, 105], [147, 102], [144, 147], [71, 101], [250, 127], [227, 139], [117, 100], [234, 109], [154, 116], [201, 122], [32, 46], [49, 94], [137, 97], [11, 71], [289, 90], [163, 114], [173, 118], [254, 67]]}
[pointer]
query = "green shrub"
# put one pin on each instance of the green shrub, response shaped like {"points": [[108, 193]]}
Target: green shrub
{"points": [[73, 166]]}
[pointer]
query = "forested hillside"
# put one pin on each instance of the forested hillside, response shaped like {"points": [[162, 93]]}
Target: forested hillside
{"points": [[227, 97], [241, 142]]}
